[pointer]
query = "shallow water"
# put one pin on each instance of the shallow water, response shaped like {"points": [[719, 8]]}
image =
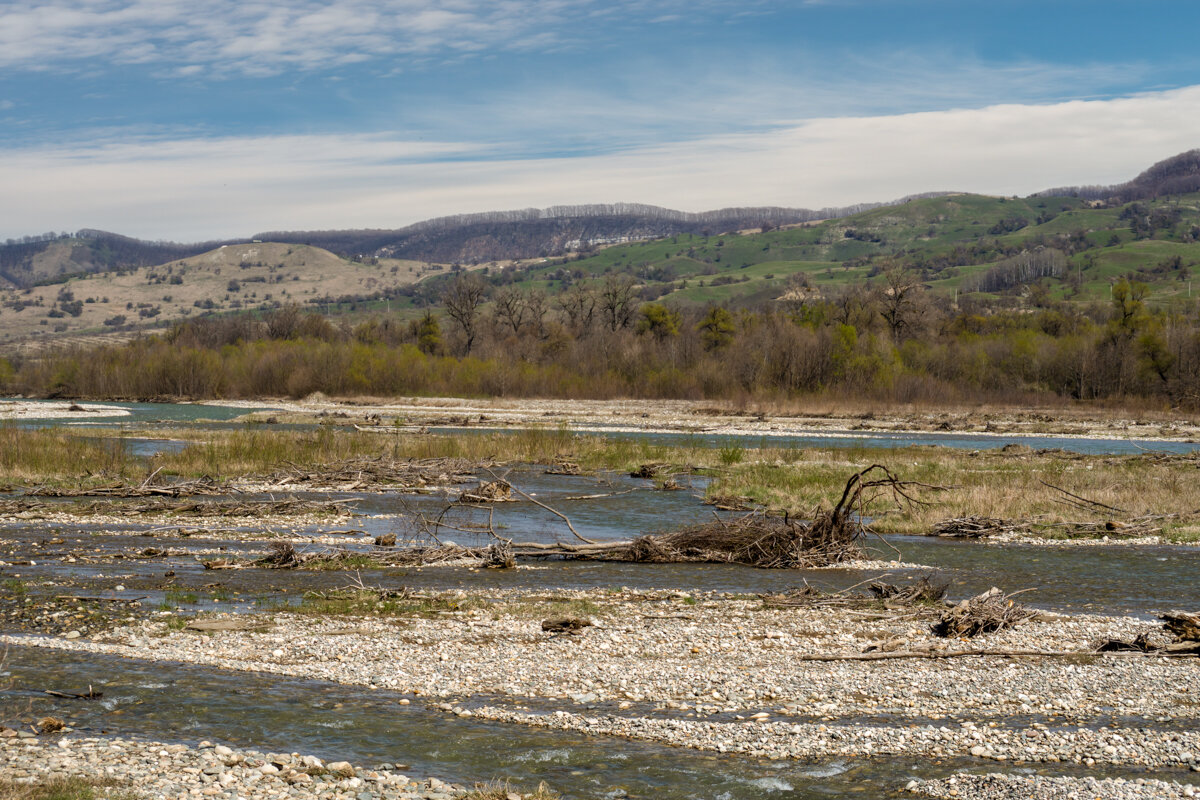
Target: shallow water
{"points": [[215, 416], [176, 702]]}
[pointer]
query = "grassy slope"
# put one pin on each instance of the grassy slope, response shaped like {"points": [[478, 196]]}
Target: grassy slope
{"points": [[760, 263]]}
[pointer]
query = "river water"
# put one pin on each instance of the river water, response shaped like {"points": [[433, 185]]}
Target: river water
{"points": [[187, 703]]}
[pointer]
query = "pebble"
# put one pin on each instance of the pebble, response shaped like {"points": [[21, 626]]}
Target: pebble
{"points": [[155, 769]]}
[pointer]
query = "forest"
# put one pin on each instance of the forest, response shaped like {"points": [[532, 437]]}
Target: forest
{"points": [[892, 340]]}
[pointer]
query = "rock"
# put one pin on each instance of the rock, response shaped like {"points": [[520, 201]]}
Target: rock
{"points": [[71, 635], [343, 769]]}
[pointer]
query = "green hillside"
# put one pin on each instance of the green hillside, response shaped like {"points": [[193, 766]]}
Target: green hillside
{"points": [[951, 241]]}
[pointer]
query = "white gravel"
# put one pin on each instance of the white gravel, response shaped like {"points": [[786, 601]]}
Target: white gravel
{"points": [[155, 770], [704, 664]]}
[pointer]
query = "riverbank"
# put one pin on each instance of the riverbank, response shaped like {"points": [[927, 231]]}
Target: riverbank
{"points": [[716, 418], [725, 674]]}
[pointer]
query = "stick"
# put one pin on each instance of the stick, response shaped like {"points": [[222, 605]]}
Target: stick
{"points": [[1083, 499], [938, 654], [540, 504]]}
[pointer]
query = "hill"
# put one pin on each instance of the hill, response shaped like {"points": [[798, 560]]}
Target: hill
{"points": [[228, 279], [539, 233], [993, 249], [53, 257]]}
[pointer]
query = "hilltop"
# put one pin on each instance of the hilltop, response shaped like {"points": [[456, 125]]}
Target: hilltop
{"points": [[1067, 245]]}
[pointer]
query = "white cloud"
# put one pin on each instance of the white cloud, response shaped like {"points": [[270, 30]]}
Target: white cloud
{"points": [[265, 36], [193, 189]]}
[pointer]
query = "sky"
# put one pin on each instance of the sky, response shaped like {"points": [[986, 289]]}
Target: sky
{"points": [[193, 120]]}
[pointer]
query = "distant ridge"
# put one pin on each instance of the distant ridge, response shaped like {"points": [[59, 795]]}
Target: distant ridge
{"points": [[1178, 174], [534, 232]]}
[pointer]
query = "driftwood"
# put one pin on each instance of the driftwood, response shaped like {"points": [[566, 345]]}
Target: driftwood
{"points": [[756, 539], [497, 491], [198, 486], [985, 613], [91, 694], [975, 527], [86, 599], [1180, 636], [923, 591], [565, 624], [939, 654], [1183, 626], [982, 527]]}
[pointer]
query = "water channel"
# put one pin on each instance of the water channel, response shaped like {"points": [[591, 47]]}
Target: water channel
{"points": [[186, 703]]}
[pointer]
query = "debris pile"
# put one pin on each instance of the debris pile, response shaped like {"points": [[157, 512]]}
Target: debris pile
{"points": [[984, 613]]}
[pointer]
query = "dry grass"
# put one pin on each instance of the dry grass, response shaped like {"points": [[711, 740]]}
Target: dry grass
{"points": [[502, 790], [63, 789], [990, 484]]}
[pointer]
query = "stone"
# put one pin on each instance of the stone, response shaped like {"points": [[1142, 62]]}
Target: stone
{"points": [[343, 769]]}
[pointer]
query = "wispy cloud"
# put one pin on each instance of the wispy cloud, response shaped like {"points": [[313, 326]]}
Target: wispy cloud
{"points": [[264, 37], [195, 189]]}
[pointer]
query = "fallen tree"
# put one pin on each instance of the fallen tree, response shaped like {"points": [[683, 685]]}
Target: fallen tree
{"points": [[758, 539]]}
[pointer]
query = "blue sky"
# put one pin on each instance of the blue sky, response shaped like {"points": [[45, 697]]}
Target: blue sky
{"points": [[215, 118]]}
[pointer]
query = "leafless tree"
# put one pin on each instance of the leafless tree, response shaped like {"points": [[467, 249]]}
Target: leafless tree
{"points": [[578, 304], [618, 301], [511, 308], [536, 308], [462, 301], [901, 301]]}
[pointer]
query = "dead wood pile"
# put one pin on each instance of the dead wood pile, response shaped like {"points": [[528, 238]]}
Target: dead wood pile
{"points": [[1180, 636], [982, 527], [498, 491], [984, 613], [923, 591], [771, 542], [975, 527]]}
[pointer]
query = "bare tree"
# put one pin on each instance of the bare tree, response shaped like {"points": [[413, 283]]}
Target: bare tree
{"points": [[536, 307], [511, 307], [462, 301], [618, 301], [578, 303], [901, 301]]}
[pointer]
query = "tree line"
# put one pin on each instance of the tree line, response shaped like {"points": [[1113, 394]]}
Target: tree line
{"points": [[889, 340]]}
